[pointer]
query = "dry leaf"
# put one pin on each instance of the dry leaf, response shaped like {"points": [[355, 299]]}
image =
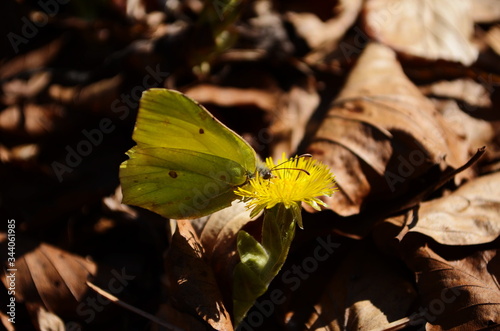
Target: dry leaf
{"points": [[48, 321], [476, 132], [191, 282], [233, 97], [50, 278], [288, 123], [381, 134], [485, 11], [468, 216], [461, 293], [475, 95], [34, 59], [98, 97], [432, 29], [493, 38], [322, 36], [31, 120], [218, 238], [351, 302]]}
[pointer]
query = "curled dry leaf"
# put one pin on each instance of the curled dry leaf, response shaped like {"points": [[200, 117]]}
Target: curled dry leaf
{"points": [[461, 294], [191, 282], [468, 216], [442, 29], [323, 36], [381, 134]]}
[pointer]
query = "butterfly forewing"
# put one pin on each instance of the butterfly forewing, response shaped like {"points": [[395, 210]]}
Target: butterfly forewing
{"points": [[176, 121]]}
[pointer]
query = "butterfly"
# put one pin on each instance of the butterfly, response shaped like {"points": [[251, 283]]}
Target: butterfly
{"points": [[186, 163]]}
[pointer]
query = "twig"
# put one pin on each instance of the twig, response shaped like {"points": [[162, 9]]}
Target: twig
{"points": [[138, 311]]}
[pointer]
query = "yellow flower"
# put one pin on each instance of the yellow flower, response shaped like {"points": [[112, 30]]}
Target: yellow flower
{"points": [[292, 181]]}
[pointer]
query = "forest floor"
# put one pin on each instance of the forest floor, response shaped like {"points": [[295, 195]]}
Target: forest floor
{"points": [[401, 99]]}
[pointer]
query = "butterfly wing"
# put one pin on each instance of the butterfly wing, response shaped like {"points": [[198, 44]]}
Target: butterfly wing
{"points": [[186, 163]]}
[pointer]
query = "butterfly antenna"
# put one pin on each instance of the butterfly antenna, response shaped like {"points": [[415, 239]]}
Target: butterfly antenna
{"points": [[297, 157]]}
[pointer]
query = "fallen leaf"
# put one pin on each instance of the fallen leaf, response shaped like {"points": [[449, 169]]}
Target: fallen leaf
{"points": [[381, 134], [288, 122], [218, 238], [474, 94], [35, 59], [97, 97], [473, 131], [442, 29], [485, 11], [31, 120], [50, 278], [233, 97], [458, 293], [191, 281], [49, 321], [351, 302], [468, 216], [493, 38], [321, 35]]}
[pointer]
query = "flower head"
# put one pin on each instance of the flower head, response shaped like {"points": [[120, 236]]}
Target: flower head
{"points": [[292, 181]]}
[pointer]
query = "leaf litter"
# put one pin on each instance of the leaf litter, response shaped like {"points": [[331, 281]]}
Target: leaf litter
{"points": [[396, 97]]}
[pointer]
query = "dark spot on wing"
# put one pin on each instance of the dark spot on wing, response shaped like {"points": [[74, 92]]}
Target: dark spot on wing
{"points": [[201, 131], [223, 178], [172, 174]]}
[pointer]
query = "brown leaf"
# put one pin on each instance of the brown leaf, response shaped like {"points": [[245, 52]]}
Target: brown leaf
{"points": [[474, 131], [322, 36], [288, 123], [31, 120], [218, 238], [493, 38], [50, 278], [97, 97], [466, 90], [25, 89], [233, 97], [34, 59], [381, 134], [192, 284], [350, 301], [485, 11], [468, 216], [49, 321], [460, 293], [432, 29]]}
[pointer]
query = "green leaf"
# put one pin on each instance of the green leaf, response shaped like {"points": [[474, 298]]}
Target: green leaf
{"points": [[261, 262]]}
